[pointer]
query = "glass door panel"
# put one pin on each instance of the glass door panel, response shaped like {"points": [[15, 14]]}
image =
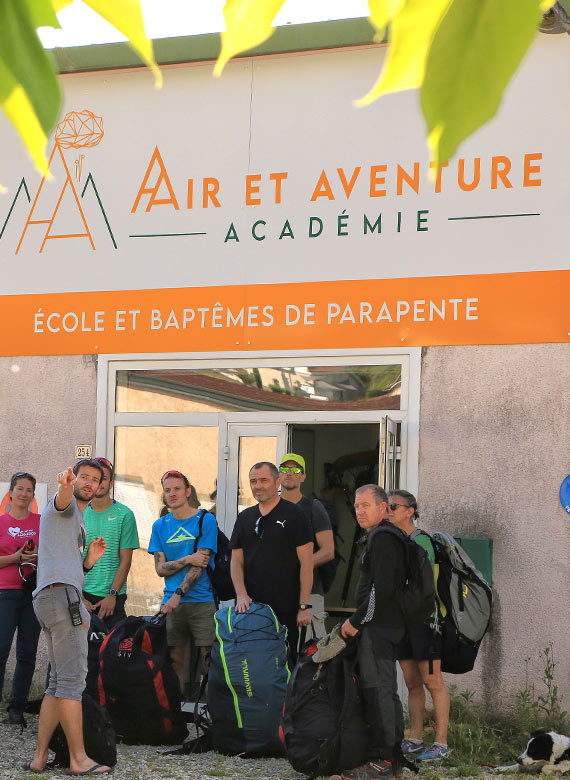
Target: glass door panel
{"points": [[247, 445], [142, 456]]}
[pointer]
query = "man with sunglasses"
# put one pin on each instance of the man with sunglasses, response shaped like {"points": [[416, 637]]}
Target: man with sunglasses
{"points": [[292, 472], [105, 588], [272, 555]]}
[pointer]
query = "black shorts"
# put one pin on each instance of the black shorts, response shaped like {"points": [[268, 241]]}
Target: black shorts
{"points": [[421, 643]]}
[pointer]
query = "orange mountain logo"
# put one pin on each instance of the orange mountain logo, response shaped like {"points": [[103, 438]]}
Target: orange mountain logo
{"points": [[77, 130]]}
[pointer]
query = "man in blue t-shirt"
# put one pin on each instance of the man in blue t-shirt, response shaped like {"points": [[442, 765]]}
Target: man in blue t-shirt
{"points": [[188, 598]]}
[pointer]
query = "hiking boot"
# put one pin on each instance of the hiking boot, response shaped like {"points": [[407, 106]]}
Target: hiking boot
{"points": [[382, 770], [412, 747], [435, 752]]}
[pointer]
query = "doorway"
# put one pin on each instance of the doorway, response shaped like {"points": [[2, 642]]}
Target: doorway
{"points": [[340, 457]]}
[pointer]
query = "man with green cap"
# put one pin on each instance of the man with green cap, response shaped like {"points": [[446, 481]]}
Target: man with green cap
{"points": [[292, 471]]}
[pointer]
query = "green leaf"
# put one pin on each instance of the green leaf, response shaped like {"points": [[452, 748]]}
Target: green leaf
{"points": [[248, 23], [42, 13], [126, 16], [411, 33], [28, 63], [475, 52], [19, 110], [59, 4]]}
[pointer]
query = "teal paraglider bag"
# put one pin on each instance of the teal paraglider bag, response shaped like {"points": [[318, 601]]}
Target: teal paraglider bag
{"points": [[247, 681]]}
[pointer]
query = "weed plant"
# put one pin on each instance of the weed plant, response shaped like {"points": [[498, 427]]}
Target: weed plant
{"points": [[480, 739], [542, 708]]}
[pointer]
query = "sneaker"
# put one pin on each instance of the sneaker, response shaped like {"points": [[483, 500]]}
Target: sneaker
{"points": [[370, 771], [435, 752], [329, 646], [412, 747]]}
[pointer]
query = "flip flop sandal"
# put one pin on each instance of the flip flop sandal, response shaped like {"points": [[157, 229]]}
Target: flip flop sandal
{"points": [[29, 768]]}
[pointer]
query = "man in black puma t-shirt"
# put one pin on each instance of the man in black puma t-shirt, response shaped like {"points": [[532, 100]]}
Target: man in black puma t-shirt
{"points": [[272, 558]]}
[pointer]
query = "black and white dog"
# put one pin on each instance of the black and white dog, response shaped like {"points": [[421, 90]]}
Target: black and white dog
{"points": [[547, 751]]}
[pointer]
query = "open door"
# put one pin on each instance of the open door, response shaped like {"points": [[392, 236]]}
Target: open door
{"points": [[388, 455]]}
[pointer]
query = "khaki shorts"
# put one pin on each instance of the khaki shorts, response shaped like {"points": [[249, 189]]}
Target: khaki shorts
{"points": [[66, 643], [193, 619]]}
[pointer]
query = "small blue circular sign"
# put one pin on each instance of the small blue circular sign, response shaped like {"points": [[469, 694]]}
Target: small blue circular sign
{"points": [[565, 494]]}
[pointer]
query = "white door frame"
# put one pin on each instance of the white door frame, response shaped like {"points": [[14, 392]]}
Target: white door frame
{"points": [[229, 485], [408, 415]]}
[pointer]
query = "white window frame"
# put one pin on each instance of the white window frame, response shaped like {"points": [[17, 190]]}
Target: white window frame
{"points": [[408, 415]]}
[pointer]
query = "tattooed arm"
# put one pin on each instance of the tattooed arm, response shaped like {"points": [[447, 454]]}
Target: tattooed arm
{"points": [[192, 575], [190, 578], [166, 568]]}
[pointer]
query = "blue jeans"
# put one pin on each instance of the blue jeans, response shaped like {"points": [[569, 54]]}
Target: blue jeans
{"points": [[17, 612]]}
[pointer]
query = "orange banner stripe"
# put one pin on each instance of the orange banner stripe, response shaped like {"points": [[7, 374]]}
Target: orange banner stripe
{"points": [[453, 310]]}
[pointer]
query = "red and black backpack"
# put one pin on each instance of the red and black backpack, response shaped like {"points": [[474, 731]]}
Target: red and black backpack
{"points": [[137, 684]]}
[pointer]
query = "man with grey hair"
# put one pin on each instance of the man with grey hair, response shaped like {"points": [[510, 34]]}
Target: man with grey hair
{"points": [[379, 624]]}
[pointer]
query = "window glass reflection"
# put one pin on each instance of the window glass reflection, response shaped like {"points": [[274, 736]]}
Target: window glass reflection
{"points": [[142, 456], [326, 388]]}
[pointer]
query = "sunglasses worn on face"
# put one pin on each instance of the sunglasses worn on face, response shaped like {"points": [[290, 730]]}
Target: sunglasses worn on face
{"points": [[290, 470], [393, 507]]}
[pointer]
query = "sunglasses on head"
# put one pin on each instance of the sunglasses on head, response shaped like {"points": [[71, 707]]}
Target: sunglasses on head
{"points": [[104, 462], [177, 474], [290, 470]]}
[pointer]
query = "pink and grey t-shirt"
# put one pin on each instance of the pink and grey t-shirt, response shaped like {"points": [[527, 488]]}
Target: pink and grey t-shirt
{"points": [[13, 536]]}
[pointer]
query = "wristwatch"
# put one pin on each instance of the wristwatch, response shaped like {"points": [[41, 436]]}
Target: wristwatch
{"points": [[303, 606], [179, 592], [113, 592]]}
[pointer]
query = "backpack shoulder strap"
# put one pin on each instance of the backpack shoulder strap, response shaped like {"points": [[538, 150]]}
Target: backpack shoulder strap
{"points": [[387, 527], [201, 514]]}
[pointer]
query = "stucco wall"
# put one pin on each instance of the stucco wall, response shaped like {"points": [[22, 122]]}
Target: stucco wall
{"points": [[494, 448], [48, 406]]}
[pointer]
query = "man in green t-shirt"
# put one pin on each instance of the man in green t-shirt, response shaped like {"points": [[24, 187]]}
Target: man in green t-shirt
{"points": [[105, 587]]}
